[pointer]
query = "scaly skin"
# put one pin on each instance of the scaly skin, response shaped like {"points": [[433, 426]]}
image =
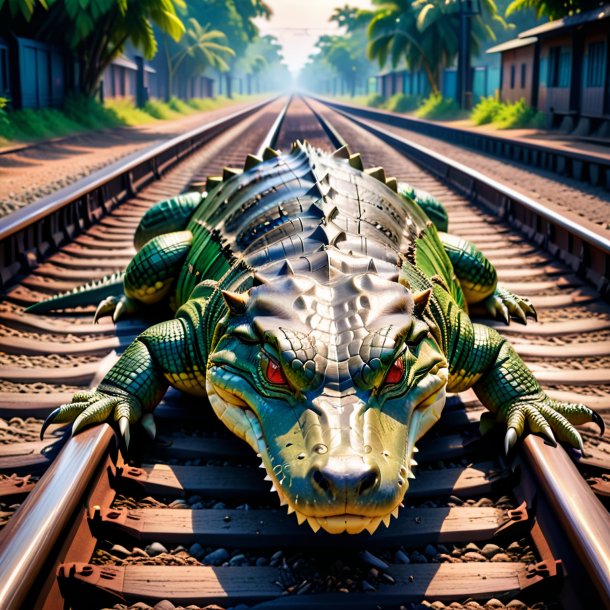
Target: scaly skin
{"points": [[325, 320]]}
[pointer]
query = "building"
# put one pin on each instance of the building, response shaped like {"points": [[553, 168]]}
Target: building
{"points": [[563, 69]]}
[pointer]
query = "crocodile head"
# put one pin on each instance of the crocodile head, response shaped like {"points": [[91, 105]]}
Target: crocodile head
{"points": [[332, 384]]}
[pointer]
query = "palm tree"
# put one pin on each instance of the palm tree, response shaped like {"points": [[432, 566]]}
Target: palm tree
{"points": [[424, 33], [393, 34], [203, 46]]}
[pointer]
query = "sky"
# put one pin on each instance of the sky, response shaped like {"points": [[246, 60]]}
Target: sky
{"points": [[298, 24]]}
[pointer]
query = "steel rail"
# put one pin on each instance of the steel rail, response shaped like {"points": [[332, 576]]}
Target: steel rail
{"points": [[582, 518], [546, 157], [504, 200], [34, 532], [32, 232], [273, 134], [36, 528]]}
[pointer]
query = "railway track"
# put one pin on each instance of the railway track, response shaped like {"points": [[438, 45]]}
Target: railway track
{"points": [[581, 165], [188, 517]]}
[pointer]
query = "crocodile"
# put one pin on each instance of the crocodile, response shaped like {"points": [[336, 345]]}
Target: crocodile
{"points": [[322, 311]]}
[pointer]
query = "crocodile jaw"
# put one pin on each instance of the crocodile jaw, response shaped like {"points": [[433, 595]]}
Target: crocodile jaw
{"points": [[243, 422]]}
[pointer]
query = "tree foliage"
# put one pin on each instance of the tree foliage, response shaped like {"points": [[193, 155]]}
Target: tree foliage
{"points": [[95, 30], [199, 49], [553, 9], [424, 34], [233, 17]]}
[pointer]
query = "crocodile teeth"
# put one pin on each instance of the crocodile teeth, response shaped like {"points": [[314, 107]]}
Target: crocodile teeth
{"points": [[273, 487], [313, 523], [290, 510], [300, 517], [395, 513], [373, 525], [386, 520], [410, 475], [267, 477], [413, 462], [415, 450]]}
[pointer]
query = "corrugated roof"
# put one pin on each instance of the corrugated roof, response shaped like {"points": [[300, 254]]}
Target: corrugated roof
{"points": [[597, 14], [515, 43], [124, 63]]}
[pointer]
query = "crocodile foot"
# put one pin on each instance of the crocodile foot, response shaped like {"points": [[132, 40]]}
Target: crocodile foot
{"points": [[115, 306], [96, 406], [549, 418], [504, 304]]}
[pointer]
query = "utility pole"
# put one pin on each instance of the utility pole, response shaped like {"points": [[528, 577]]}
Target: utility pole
{"points": [[468, 9]]}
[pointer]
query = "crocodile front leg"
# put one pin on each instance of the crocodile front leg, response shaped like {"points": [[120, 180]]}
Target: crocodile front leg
{"points": [[135, 384], [483, 360]]}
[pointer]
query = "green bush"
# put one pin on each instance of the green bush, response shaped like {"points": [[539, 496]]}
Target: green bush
{"points": [[402, 103], [375, 100], [178, 105], [160, 110], [486, 110], [435, 106], [90, 113], [515, 115], [127, 113], [82, 113]]}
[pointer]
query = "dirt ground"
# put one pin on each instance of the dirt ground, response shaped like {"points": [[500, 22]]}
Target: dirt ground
{"points": [[32, 173]]}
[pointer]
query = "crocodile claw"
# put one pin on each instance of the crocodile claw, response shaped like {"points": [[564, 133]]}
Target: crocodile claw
{"points": [[105, 308], [124, 430], [48, 421], [504, 304], [115, 306], [600, 423], [510, 440], [547, 434]]}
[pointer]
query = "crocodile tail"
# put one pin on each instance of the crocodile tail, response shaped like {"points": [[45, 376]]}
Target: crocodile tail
{"points": [[86, 294]]}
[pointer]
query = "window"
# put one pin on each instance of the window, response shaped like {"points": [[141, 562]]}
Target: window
{"points": [[560, 67], [512, 76], [523, 75], [595, 64]]}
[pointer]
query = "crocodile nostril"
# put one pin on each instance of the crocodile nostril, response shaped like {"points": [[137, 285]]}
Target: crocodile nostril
{"points": [[320, 481], [369, 482]]}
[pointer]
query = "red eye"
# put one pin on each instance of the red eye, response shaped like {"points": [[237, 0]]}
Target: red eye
{"points": [[396, 371], [274, 373]]}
